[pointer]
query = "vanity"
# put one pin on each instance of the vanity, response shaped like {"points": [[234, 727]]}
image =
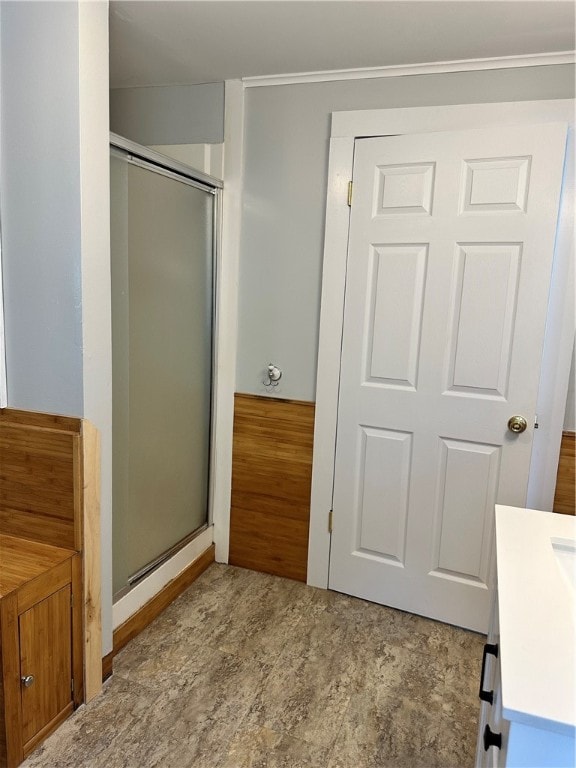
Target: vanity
{"points": [[41, 640], [528, 679], [50, 635]]}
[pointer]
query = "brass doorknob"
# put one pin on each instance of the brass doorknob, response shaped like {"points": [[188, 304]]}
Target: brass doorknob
{"points": [[517, 424]]}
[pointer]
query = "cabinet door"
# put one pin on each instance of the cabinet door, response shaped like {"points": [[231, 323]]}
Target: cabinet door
{"points": [[46, 654]]}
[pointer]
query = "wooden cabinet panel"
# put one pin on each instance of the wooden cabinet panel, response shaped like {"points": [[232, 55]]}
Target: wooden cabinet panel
{"points": [[46, 653], [271, 477], [49, 542], [11, 715]]}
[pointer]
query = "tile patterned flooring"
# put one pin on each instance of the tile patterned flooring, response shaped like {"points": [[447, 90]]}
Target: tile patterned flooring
{"points": [[246, 670]]}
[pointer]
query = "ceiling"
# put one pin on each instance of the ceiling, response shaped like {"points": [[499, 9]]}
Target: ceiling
{"points": [[167, 42]]}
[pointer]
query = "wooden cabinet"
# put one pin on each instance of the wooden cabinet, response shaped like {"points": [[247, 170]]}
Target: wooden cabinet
{"points": [[41, 643], [45, 632], [50, 624]]}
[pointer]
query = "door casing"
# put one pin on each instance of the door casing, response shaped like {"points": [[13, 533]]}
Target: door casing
{"points": [[346, 128]]}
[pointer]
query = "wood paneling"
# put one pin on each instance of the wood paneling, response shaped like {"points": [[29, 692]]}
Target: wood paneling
{"points": [[46, 653], [49, 510], [92, 613], [107, 666], [34, 527], [41, 420], [564, 499], [40, 471], [154, 607], [271, 479], [35, 591], [79, 640], [41, 634], [3, 743], [50, 493], [24, 561], [11, 672]]}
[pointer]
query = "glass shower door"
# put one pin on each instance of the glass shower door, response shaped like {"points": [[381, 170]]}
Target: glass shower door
{"points": [[162, 304]]}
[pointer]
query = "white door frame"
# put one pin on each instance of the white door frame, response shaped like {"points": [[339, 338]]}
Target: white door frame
{"points": [[348, 126]]}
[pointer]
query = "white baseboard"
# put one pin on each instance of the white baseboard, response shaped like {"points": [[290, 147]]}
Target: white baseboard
{"points": [[149, 587]]}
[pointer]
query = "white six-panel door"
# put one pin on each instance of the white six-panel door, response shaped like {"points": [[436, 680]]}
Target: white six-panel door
{"points": [[449, 264]]}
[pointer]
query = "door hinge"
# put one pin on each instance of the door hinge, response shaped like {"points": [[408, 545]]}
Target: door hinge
{"points": [[71, 600], [349, 200], [330, 521], [72, 687]]}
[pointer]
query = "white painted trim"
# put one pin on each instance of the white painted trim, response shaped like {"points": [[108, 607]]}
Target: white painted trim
{"points": [[95, 268], [370, 122], [557, 354], [149, 587], [151, 157], [346, 126], [227, 315], [402, 70], [327, 387]]}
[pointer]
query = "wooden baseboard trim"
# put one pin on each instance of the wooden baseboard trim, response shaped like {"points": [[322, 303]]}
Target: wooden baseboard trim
{"points": [[153, 608], [107, 666]]}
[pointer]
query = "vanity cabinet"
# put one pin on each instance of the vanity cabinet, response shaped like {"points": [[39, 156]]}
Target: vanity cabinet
{"points": [[528, 680], [494, 728], [41, 643], [50, 622]]}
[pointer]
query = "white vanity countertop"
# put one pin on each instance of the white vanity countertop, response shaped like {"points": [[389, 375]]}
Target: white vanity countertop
{"points": [[537, 612]]}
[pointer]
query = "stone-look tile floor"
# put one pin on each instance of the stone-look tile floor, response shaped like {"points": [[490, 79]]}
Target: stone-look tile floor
{"points": [[247, 670]]}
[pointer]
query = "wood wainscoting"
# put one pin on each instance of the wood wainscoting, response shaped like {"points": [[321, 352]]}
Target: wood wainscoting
{"points": [[271, 479], [565, 497], [40, 477]]}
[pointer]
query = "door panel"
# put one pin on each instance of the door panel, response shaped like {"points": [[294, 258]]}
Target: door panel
{"points": [[396, 288], [46, 653], [482, 322], [496, 185], [383, 507], [450, 256], [466, 484]]}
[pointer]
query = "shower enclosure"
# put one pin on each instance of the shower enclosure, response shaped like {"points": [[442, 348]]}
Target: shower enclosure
{"points": [[163, 240]]}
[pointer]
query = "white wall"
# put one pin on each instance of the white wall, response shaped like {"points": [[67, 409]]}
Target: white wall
{"points": [[55, 220], [40, 194], [177, 114], [286, 162], [208, 158], [3, 392]]}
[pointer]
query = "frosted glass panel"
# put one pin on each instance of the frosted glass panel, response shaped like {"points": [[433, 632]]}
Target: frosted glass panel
{"points": [[162, 362]]}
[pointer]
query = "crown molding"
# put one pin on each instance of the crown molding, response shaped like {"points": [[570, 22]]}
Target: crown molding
{"points": [[403, 70]]}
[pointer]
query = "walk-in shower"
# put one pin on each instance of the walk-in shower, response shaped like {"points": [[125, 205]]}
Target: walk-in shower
{"points": [[163, 242]]}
